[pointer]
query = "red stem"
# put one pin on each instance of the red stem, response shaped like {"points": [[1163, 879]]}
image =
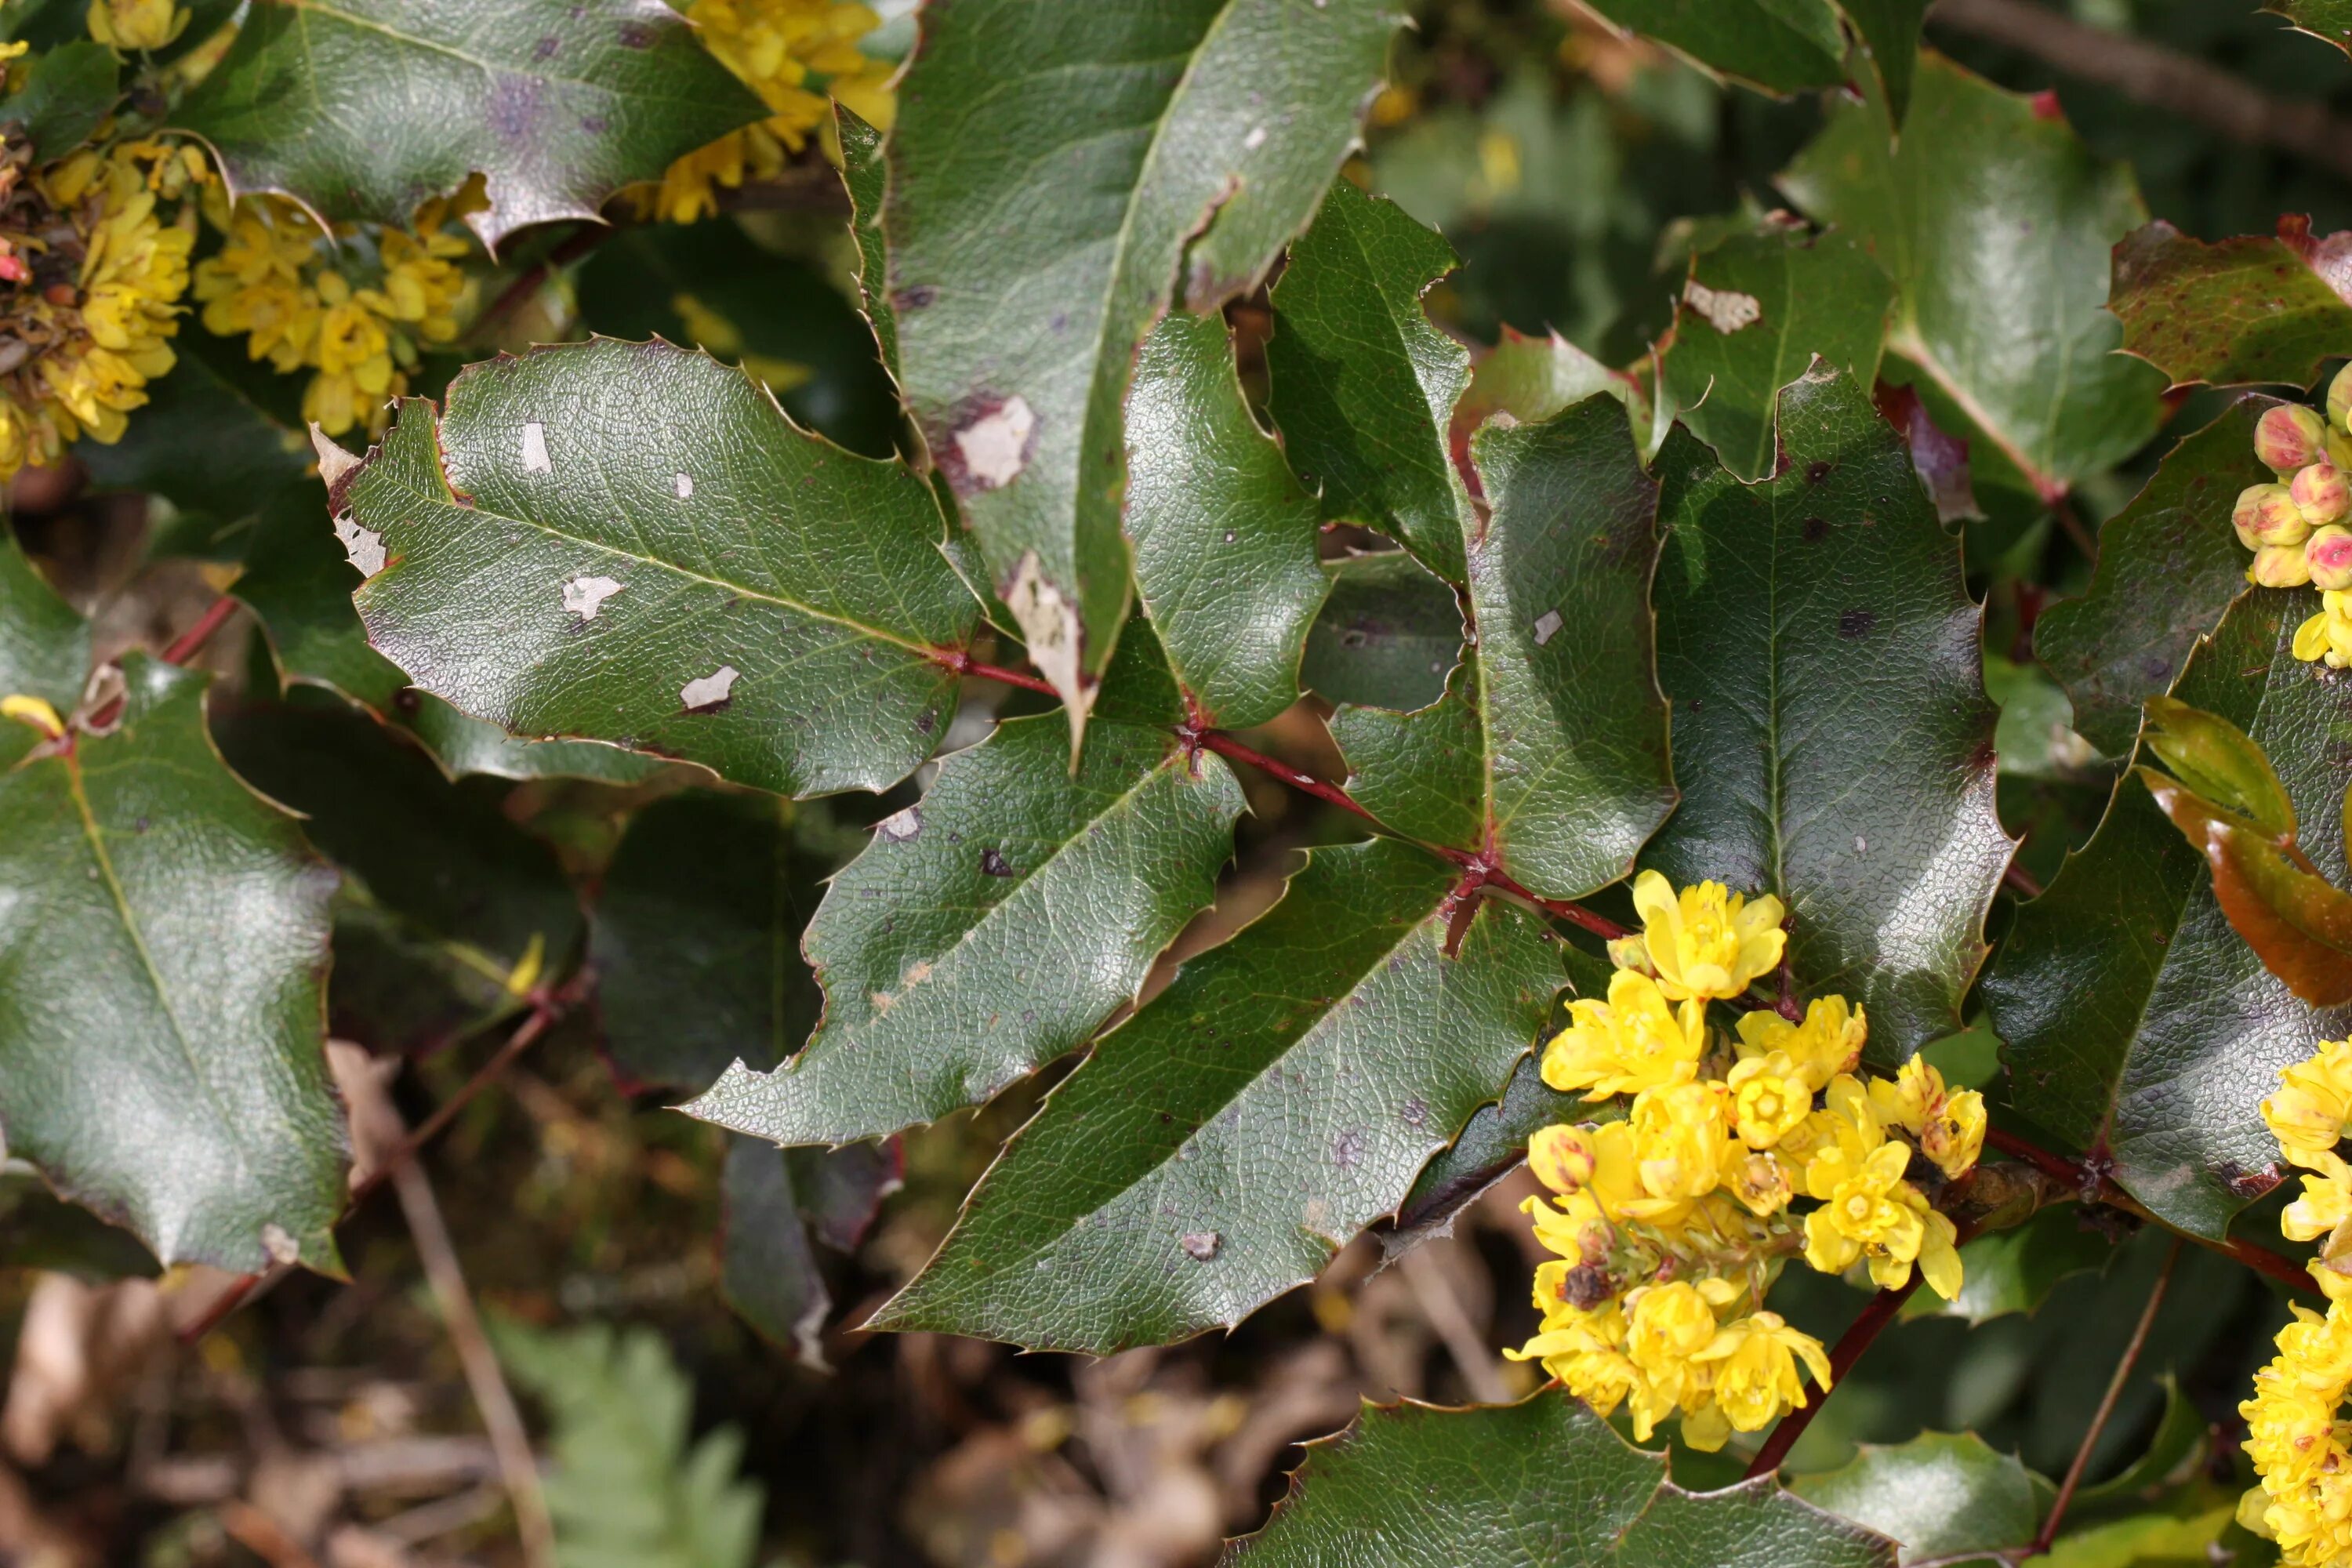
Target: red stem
{"points": [[185, 645], [2057, 1514], [1857, 1339], [2020, 880], [962, 663]]}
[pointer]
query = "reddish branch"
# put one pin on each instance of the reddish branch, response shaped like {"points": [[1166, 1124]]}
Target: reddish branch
{"points": [[186, 646], [2106, 1407]]}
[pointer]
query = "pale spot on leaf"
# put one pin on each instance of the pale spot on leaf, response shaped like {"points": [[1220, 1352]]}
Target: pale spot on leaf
{"points": [[1202, 1245], [534, 449], [1547, 626], [1255, 140], [283, 1249], [333, 461], [584, 596], [1049, 625], [899, 826], [1725, 310], [363, 547], [995, 447], [709, 690], [685, 486]]}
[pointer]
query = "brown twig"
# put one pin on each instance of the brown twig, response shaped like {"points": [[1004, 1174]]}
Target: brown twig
{"points": [[512, 297], [2179, 84], [1881, 1311], [2049, 1531], [185, 647], [2021, 881]]}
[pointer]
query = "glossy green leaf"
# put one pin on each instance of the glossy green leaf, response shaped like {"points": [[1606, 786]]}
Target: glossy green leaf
{"points": [[1541, 1484], [2328, 19], [2138, 1024], [1888, 32], [2014, 1269], [1218, 1148], [1049, 171], [768, 1270], [1778, 46], [1941, 1495], [2259, 308], [1868, 806], [2179, 1437], [866, 173], [1995, 224], [1755, 311], [1363, 388], [364, 108], [709, 584], [1388, 635], [163, 945], [1225, 539], [1531, 379], [466, 745], [696, 939], [992, 926], [2169, 564], [1549, 749], [65, 92], [44, 648], [2218, 761]]}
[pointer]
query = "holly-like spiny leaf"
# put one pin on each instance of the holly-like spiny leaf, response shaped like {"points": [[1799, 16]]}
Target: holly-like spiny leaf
{"points": [[1541, 1484], [1388, 635], [865, 172], [365, 109], [2258, 308], [1363, 388], [695, 939], [1941, 1495], [1549, 751], [2328, 19], [992, 926], [2169, 564], [628, 543], [1755, 311], [162, 954], [1225, 539], [1778, 46], [2137, 1025], [1532, 379], [1220, 1146], [1867, 807], [1995, 224], [1048, 172]]}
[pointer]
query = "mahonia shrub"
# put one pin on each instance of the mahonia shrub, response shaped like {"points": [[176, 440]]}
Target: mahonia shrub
{"points": [[1319, 608]]}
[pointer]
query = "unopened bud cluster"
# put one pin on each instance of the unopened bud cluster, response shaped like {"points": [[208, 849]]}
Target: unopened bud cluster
{"points": [[2296, 1431], [1736, 1153], [2300, 527]]}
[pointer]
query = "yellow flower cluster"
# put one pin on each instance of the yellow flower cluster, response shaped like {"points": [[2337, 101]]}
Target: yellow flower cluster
{"points": [[2300, 528], [2295, 1435], [795, 54], [136, 24], [1669, 1226], [91, 274], [355, 314]]}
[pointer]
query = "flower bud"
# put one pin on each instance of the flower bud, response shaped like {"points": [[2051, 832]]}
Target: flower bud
{"points": [[2327, 554], [1561, 1157], [2339, 399], [2279, 566], [2266, 514], [2323, 493], [2290, 437]]}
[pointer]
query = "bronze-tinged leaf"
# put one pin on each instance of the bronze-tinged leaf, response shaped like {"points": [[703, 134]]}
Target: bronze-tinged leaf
{"points": [[2257, 307], [2298, 923], [2220, 762]]}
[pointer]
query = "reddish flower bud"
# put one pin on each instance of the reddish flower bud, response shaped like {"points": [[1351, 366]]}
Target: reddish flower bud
{"points": [[2266, 514], [2328, 554], [2279, 566], [2323, 493], [2290, 437], [2339, 399]]}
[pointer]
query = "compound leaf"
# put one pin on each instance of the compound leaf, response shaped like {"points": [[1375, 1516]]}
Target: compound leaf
{"points": [[991, 927], [2138, 1026], [163, 949], [629, 543], [1541, 1484], [1049, 171], [364, 108], [1218, 1148], [1864, 801]]}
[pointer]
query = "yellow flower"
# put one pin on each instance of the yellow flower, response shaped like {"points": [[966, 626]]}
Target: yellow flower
{"points": [[2313, 1102], [1950, 1127], [1584, 1348], [1864, 1213], [1666, 1326], [2326, 1203], [1761, 1181], [795, 54], [1770, 1098], [1680, 1145], [1756, 1380], [1827, 1043], [1939, 1256], [1632, 1042], [136, 24], [1707, 943]]}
